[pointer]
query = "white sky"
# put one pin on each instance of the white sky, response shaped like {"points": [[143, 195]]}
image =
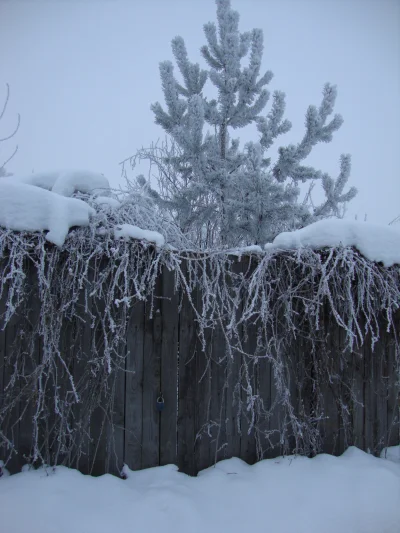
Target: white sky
{"points": [[84, 73]]}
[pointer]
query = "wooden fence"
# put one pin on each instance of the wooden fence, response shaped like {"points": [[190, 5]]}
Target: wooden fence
{"points": [[173, 404]]}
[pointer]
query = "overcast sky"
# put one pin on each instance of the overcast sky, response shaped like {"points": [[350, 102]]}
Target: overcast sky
{"points": [[84, 73]]}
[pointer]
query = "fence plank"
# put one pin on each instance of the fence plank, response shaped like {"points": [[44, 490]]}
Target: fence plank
{"points": [[151, 380], [233, 390], [3, 300], [202, 414], [134, 386], [248, 450], [169, 368], [218, 396], [12, 336], [369, 397], [381, 366], [393, 402], [188, 347]]}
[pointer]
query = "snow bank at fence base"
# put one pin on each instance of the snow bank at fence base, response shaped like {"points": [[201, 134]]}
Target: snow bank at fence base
{"points": [[354, 493], [376, 242]]}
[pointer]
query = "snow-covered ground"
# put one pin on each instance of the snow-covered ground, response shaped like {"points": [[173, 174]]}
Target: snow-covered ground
{"points": [[354, 493]]}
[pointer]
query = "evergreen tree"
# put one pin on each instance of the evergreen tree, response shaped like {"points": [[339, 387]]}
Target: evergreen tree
{"points": [[217, 193]]}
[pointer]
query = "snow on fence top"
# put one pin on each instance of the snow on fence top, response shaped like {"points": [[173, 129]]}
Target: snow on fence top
{"points": [[376, 242], [42, 202]]}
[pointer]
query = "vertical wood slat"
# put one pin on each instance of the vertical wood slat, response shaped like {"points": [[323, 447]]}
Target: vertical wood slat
{"points": [[381, 366], [31, 362], [357, 404], [134, 386], [118, 417], [369, 397], [3, 300], [81, 349], [188, 347], [248, 450], [100, 422], [331, 422], [169, 362], [202, 412], [12, 421], [393, 401], [233, 391], [151, 380]]}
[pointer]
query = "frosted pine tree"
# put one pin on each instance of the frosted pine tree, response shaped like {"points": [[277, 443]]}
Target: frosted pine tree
{"points": [[216, 192]]}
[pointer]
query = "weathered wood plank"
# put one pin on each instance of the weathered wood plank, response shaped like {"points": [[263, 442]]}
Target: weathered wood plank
{"points": [[151, 380], [218, 366], [332, 421], [248, 451], [369, 397], [381, 367], [169, 368], [134, 387], [3, 300], [31, 344], [393, 401], [11, 425], [233, 390], [188, 347], [202, 414]]}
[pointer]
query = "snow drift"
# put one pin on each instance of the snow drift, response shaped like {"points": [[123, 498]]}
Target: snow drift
{"points": [[355, 493], [28, 208], [65, 182], [376, 242]]}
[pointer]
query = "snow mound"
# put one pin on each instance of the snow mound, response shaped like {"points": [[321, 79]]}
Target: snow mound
{"points": [[127, 231], [392, 453], [65, 182], [355, 493], [27, 208], [376, 242]]}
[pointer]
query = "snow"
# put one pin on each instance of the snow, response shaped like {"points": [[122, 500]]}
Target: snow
{"points": [[376, 242], [28, 208], [354, 493], [391, 454], [65, 182], [127, 231], [107, 201], [253, 249]]}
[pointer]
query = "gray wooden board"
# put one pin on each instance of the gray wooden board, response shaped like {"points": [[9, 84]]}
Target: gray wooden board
{"points": [[331, 422], [357, 404], [369, 397], [169, 363], [32, 349], [233, 370], [12, 338], [218, 396], [202, 415], [393, 401], [134, 386], [2, 355], [99, 446], [117, 437], [188, 346], [381, 366], [151, 381], [81, 352], [248, 450]]}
